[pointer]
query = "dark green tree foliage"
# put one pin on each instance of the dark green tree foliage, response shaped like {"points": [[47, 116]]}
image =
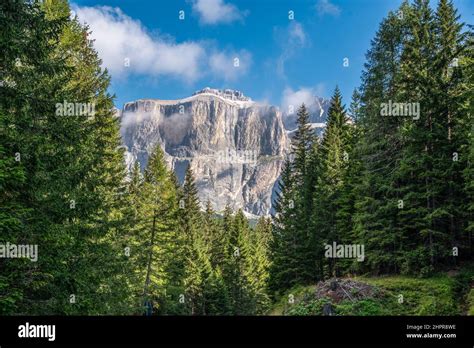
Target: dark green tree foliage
{"points": [[303, 144], [398, 181], [96, 166], [73, 174], [283, 246], [154, 231], [407, 203], [203, 284], [108, 243], [351, 179], [133, 243], [26, 39], [330, 219], [379, 150], [417, 172], [292, 244], [452, 115], [259, 264], [469, 170], [338, 172], [215, 235], [237, 253]]}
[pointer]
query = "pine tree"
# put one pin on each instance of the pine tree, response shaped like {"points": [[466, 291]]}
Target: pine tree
{"points": [[430, 176], [74, 174], [351, 177], [451, 114], [302, 149], [155, 232], [98, 171], [411, 177], [469, 170], [330, 220], [204, 289], [259, 263], [216, 237], [15, 37], [27, 40], [236, 268], [132, 242], [197, 263], [191, 216], [284, 245], [379, 148], [218, 231]]}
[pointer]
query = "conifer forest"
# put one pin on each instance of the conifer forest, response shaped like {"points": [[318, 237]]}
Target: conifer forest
{"points": [[371, 216]]}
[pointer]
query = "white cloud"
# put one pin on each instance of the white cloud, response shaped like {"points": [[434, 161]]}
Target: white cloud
{"points": [[326, 7], [130, 118], [174, 127], [295, 98], [119, 37], [216, 11], [291, 40], [229, 66], [296, 33]]}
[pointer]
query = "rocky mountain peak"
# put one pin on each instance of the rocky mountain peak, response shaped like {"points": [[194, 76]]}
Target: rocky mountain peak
{"points": [[234, 146], [225, 93]]}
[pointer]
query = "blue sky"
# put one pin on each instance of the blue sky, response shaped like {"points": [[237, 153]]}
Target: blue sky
{"points": [[153, 53]]}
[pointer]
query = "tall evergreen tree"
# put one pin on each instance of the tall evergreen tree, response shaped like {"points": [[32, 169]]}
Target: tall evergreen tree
{"points": [[283, 245], [303, 144], [379, 149], [412, 177], [73, 170], [236, 269], [469, 170], [333, 165], [259, 263], [26, 40], [155, 231], [451, 113]]}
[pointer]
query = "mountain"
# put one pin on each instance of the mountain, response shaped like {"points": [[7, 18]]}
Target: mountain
{"points": [[236, 147]]}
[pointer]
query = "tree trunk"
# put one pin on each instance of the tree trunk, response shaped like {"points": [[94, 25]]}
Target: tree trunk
{"points": [[150, 258]]}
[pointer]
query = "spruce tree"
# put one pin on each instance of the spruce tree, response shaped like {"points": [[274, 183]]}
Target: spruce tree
{"points": [[333, 165], [469, 170], [379, 149], [74, 173], [259, 263], [284, 244], [303, 144], [155, 231], [237, 266]]}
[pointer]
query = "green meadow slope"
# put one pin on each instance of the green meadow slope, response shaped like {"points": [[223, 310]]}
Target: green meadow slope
{"points": [[450, 293]]}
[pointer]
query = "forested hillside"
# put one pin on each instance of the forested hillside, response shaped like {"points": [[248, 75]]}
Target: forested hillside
{"points": [[392, 175], [401, 185]]}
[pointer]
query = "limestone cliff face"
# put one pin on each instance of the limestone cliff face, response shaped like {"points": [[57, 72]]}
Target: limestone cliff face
{"points": [[235, 147]]}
